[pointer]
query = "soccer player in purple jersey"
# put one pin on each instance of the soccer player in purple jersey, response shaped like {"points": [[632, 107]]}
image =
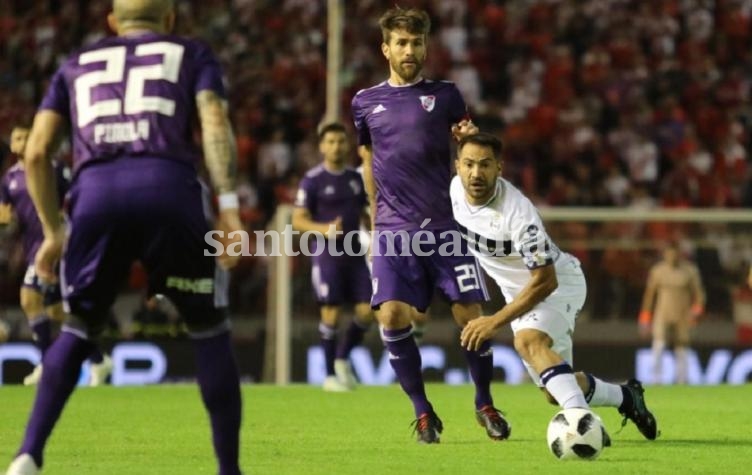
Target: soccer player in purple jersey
{"points": [[331, 198], [40, 303], [404, 126], [130, 101]]}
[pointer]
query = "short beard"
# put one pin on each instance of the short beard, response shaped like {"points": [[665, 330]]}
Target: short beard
{"points": [[403, 74]]}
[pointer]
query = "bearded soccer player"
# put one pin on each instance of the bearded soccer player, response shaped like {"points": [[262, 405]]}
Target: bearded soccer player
{"points": [[130, 101], [404, 126], [544, 287]]}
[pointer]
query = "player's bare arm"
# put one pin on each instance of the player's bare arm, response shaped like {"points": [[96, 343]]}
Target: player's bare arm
{"points": [[218, 141], [303, 222], [221, 158], [42, 185], [541, 284], [646, 310], [366, 154]]}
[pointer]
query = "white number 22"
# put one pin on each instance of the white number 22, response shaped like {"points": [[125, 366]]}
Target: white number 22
{"points": [[114, 71]]}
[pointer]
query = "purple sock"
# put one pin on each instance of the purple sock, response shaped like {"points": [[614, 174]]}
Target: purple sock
{"points": [[220, 391], [405, 359], [41, 329], [96, 356], [481, 369], [329, 344], [62, 366], [353, 337]]}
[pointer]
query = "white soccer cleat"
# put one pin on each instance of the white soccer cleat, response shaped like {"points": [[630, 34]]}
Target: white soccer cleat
{"points": [[332, 384], [33, 378], [23, 465], [344, 372], [100, 371]]}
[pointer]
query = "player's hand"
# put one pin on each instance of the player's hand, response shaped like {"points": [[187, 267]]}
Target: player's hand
{"points": [[464, 128], [228, 222], [477, 331], [48, 255], [335, 226]]}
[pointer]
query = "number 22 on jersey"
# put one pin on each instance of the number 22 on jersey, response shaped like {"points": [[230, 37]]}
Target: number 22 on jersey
{"points": [[114, 71]]}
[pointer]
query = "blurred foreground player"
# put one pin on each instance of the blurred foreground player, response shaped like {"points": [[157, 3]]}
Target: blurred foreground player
{"points": [[130, 101], [40, 302]]}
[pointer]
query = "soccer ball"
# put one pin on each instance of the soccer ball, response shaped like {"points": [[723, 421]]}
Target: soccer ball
{"points": [[575, 434]]}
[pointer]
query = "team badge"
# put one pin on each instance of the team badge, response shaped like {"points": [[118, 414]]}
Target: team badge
{"points": [[428, 102], [495, 224]]}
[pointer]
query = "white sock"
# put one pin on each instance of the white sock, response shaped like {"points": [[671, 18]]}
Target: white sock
{"points": [[560, 382], [657, 350], [604, 394], [680, 353]]}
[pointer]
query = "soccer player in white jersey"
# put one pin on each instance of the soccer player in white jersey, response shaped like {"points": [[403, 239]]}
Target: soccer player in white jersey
{"points": [[544, 287]]}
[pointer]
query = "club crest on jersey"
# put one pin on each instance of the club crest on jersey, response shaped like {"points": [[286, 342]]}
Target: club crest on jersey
{"points": [[495, 224], [428, 102]]}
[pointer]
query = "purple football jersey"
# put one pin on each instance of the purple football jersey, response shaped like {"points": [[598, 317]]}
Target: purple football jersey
{"points": [[408, 129], [133, 96], [13, 191], [327, 195]]}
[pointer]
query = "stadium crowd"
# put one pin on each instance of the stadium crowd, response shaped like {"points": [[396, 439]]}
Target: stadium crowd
{"points": [[623, 103]]}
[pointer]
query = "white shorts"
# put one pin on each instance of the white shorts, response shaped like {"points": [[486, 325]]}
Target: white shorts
{"points": [[555, 317]]}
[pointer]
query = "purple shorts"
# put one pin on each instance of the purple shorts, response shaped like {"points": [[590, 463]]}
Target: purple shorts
{"points": [[145, 209], [338, 280], [412, 278]]}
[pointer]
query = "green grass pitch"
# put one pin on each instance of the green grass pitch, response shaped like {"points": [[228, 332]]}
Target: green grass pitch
{"points": [[302, 430]]}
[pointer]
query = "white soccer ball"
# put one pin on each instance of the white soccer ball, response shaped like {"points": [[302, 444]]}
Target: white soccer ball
{"points": [[575, 434]]}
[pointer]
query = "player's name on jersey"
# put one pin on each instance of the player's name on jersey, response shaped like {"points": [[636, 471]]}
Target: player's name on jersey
{"points": [[120, 132]]}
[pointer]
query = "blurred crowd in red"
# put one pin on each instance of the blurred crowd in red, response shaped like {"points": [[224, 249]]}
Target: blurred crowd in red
{"points": [[600, 102]]}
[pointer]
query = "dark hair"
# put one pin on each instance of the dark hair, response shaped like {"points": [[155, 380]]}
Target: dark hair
{"points": [[483, 139], [331, 127], [412, 20]]}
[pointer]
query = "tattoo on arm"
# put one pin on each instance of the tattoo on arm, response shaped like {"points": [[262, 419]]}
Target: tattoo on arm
{"points": [[220, 152]]}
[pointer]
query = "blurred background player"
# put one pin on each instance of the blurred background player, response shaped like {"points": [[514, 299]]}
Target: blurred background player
{"points": [[404, 126], [331, 199], [673, 301], [40, 302], [544, 288], [130, 101]]}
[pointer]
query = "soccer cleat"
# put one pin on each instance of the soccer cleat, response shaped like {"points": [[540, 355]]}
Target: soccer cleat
{"points": [[33, 378], [23, 465], [333, 385], [493, 421], [638, 412], [344, 372], [428, 427], [100, 371]]}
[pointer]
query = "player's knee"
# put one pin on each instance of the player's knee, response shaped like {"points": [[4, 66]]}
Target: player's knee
{"points": [[32, 303], [364, 313], [393, 317]]}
